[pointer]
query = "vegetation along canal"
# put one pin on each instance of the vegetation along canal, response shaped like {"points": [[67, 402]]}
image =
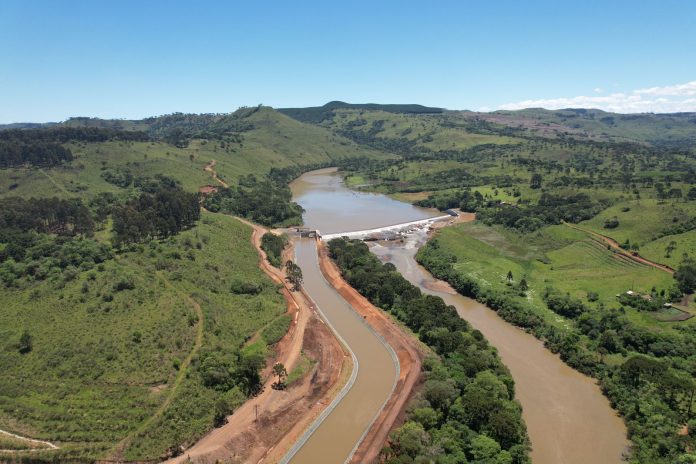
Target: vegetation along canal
{"points": [[569, 421]]}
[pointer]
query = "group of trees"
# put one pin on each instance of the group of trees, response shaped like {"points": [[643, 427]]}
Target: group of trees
{"points": [[551, 209], [565, 305], [160, 214], [464, 199], [652, 388], [274, 245], [43, 146], [467, 411], [179, 128], [685, 276], [46, 215], [15, 153], [65, 134], [263, 201], [45, 237]]}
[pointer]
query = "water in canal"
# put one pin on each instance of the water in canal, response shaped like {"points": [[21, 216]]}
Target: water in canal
{"points": [[568, 419]]}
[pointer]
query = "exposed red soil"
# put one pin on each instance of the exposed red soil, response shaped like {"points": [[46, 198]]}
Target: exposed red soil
{"points": [[405, 345], [207, 189], [635, 257], [210, 167], [282, 415]]}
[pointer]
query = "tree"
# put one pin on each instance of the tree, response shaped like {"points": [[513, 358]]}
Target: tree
{"points": [[25, 342], [535, 182], [686, 276], [222, 409], [692, 194], [294, 275], [484, 449], [523, 286], [282, 373], [249, 362], [410, 439], [509, 276]]}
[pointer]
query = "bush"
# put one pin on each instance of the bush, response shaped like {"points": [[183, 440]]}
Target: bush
{"points": [[272, 333], [125, 283], [25, 342], [611, 223], [240, 287]]}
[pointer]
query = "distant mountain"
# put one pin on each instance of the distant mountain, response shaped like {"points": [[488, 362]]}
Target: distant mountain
{"points": [[316, 114], [27, 125], [669, 129]]}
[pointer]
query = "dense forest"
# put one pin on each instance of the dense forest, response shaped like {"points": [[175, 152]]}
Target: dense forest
{"points": [[160, 214], [42, 146], [260, 200], [466, 411]]}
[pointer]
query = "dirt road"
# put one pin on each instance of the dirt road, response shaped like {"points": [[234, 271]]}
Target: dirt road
{"points": [[30, 443], [282, 415], [210, 167], [615, 245]]}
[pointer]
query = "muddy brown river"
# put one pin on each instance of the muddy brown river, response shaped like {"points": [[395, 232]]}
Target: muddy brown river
{"points": [[568, 419]]}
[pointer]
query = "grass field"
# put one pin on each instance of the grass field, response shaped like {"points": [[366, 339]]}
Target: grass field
{"points": [[425, 130], [644, 220], [683, 244], [556, 256], [104, 361]]}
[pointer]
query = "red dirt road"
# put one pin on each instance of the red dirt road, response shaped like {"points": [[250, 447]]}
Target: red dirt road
{"points": [[282, 415], [615, 245]]}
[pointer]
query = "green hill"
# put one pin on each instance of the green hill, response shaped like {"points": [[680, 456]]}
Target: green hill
{"points": [[267, 139], [674, 130], [112, 342], [317, 114]]}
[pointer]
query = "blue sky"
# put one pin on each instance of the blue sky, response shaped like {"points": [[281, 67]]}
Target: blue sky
{"points": [[133, 59]]}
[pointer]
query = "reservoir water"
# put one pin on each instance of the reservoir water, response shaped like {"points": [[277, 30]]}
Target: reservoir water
{"points": [[568, 419]]}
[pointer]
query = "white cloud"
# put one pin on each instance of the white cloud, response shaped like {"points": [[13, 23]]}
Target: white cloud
{"points": [[667, 99], [598, 90], [671, 90]]}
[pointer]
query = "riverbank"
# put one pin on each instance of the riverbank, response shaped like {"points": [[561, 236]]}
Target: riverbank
{"points": [[408, 351], [562, 408]]}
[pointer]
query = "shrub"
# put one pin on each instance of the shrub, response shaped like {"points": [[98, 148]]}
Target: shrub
{"points": [[240, 287]]}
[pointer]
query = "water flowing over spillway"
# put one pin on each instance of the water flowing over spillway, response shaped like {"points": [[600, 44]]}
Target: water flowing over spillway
{"points": [[568, 419]]}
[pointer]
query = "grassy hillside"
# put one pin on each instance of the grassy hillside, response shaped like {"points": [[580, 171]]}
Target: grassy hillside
{"points": [[274, 140], [106, 356], [557, 256], [677, 129]]}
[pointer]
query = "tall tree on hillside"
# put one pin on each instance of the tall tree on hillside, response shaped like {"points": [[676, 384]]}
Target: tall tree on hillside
{"points": [[686, 275], [535, 182]]}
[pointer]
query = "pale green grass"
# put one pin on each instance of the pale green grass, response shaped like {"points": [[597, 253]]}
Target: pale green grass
{"points": [[555, 256]]}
